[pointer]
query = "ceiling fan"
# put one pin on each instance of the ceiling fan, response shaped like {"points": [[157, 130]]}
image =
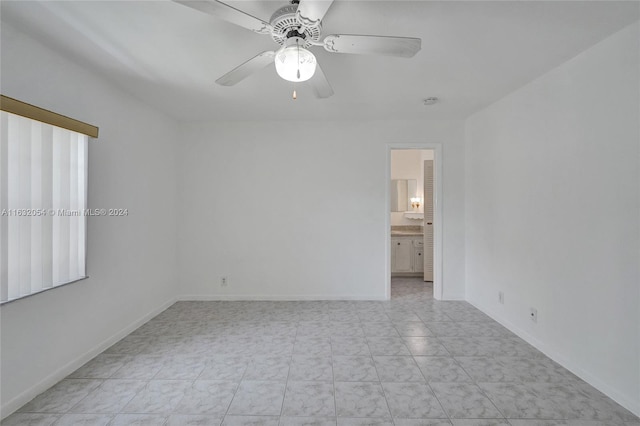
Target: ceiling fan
{"points": [[297, 27]]}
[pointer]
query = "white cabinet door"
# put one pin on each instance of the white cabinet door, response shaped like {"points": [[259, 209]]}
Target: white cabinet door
{"points": [[401, 255], [418, 263]]}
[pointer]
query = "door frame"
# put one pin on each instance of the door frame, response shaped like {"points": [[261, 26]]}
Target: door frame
{"points": [[438, 282]]}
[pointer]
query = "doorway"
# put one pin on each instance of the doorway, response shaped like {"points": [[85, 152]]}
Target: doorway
{"points": [[414, 217]]}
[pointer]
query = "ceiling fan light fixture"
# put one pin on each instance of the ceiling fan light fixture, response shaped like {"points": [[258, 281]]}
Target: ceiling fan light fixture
{"points": [[295, 63]]}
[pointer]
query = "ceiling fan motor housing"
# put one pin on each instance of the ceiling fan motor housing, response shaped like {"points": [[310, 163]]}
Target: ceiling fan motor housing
{"points": [[286, 25]]}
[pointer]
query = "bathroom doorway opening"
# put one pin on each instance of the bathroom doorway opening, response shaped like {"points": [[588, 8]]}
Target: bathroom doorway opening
{"points": [[414, 224]]}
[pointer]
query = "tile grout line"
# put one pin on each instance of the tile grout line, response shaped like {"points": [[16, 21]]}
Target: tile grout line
{"points": [[286, 382], [333, 375]]}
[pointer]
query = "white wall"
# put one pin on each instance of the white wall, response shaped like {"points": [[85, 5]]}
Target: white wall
{"points": [[297, 210], [131, 260], [552, 219]]}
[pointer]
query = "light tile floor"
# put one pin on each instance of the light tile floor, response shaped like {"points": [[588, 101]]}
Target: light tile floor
{"points": [[410, 361]]}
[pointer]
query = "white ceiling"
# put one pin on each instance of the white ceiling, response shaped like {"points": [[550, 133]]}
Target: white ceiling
{"points": [[473, 53]]}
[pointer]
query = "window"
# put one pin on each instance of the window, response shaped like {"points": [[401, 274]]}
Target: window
{"points": [[43, 205]]}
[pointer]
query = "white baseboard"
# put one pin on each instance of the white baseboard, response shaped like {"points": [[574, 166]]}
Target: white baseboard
{"points": [[18, 401], [453, 297], [627, 402], [274, 297]]}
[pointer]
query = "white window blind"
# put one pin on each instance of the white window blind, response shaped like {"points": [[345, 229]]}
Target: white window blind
{"points": [[43, 199]]}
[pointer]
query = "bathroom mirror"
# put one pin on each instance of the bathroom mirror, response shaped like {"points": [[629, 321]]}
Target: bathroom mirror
{"points": [[401, 192]]}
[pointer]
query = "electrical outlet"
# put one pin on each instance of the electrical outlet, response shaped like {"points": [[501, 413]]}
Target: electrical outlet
{"points": [[533, 314], [224, 281], [501, 297]]}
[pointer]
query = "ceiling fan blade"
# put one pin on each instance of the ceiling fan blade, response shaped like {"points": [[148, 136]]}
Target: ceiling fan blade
{"points": [[246, 69], [404, 47], [311, 12], [229, 14], [320, 84]]}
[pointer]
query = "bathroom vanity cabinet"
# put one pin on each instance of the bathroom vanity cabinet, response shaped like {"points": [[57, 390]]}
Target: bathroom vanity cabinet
{"points": [[407, 256]]}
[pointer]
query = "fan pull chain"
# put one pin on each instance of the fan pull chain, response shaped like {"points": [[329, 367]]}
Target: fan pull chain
{"points": [[295, 95]]}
